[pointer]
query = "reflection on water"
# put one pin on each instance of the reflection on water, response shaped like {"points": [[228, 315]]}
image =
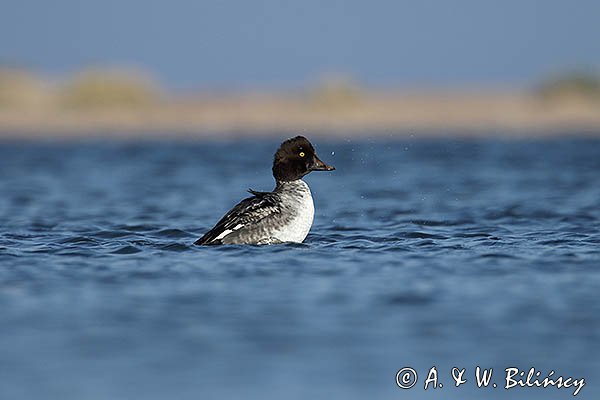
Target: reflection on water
{"points": [[423, 252]]}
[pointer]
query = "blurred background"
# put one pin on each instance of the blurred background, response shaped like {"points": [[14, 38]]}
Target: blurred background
{"points": [[72, 67], [461, 227]]}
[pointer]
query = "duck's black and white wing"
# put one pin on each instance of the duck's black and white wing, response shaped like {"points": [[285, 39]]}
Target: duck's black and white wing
{"points": [[247, 214]]}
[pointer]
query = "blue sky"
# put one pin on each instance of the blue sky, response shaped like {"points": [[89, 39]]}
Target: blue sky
{"points": [[286, 44]]}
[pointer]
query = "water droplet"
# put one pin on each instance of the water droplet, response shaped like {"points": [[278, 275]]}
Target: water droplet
{"points": [[333, 153]]}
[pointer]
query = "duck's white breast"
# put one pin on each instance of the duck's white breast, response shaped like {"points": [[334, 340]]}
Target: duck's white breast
{"points": [[299, 199]]}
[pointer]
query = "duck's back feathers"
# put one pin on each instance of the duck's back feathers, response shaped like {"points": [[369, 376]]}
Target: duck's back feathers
{"points": [[247, 213]]}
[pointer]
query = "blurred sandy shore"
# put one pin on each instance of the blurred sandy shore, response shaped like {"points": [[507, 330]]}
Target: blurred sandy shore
{"points": [[378, 113]]}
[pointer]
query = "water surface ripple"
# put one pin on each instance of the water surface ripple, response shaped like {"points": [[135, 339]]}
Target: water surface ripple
{"points": [[453, 252]]}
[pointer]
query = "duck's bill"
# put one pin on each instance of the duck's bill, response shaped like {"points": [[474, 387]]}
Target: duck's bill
{"points": [[319, 165]]}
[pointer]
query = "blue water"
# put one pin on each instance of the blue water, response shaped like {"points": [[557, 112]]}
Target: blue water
{"points": [[445, 252]]}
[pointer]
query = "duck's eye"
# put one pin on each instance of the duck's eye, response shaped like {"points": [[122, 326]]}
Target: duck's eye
{"points": [[301, 154]]}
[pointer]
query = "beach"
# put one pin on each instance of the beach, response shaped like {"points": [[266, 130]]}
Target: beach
{"points": [[395, 113]]}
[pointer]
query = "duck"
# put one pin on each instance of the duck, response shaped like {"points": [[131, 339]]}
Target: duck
{"points": [[284, 215]]}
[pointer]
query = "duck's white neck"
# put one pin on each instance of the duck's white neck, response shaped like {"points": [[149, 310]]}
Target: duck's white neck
{"points": [[298, 184]]}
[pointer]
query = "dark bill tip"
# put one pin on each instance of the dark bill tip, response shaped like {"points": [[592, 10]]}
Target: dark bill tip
{"points": [[321, 166]]}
